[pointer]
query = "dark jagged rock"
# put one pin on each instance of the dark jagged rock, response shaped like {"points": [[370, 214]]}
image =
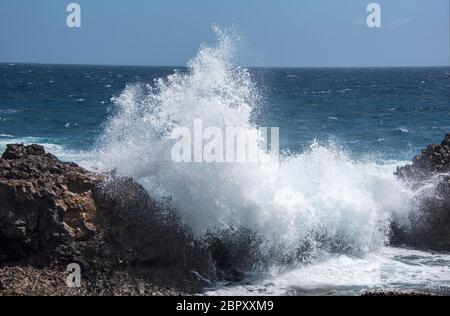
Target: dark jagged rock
{"points": [[150, 239], [430, 226], [235, 251], [44, 203], [433, 160], [53, 213]]}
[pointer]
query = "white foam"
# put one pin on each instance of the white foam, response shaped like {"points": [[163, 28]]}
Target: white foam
{"points": [[319, 194], [402, 129], [391, 269]]}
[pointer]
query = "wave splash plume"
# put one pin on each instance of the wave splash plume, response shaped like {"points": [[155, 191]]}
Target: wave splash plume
{"points": [[319, 199]]}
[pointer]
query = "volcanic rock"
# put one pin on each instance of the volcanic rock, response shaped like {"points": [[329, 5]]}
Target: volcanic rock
{"points": [[53, 213], [429, 227]]}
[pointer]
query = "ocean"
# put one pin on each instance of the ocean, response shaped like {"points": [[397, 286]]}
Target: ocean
{"points": [[343, 131], [387, 113]]}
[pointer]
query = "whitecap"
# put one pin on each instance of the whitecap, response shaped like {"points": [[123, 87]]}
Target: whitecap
{"points": [[402, 129], [9, 111]]}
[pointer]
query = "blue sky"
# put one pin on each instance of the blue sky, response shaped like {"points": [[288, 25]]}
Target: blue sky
{"points": [[301, 33]]}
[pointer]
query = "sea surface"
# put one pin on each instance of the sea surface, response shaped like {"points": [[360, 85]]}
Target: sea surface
{"points": [[342, 133], [390, 113]]}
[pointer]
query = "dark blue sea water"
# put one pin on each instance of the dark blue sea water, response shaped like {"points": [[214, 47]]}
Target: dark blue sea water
{"points": [[389, 113]]}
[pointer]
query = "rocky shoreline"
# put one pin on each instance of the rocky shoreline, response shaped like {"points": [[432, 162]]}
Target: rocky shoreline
{"points": [[54, 213], [429, 227]]}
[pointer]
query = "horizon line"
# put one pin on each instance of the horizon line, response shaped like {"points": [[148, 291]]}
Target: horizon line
{"points": [[184, 66]]}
